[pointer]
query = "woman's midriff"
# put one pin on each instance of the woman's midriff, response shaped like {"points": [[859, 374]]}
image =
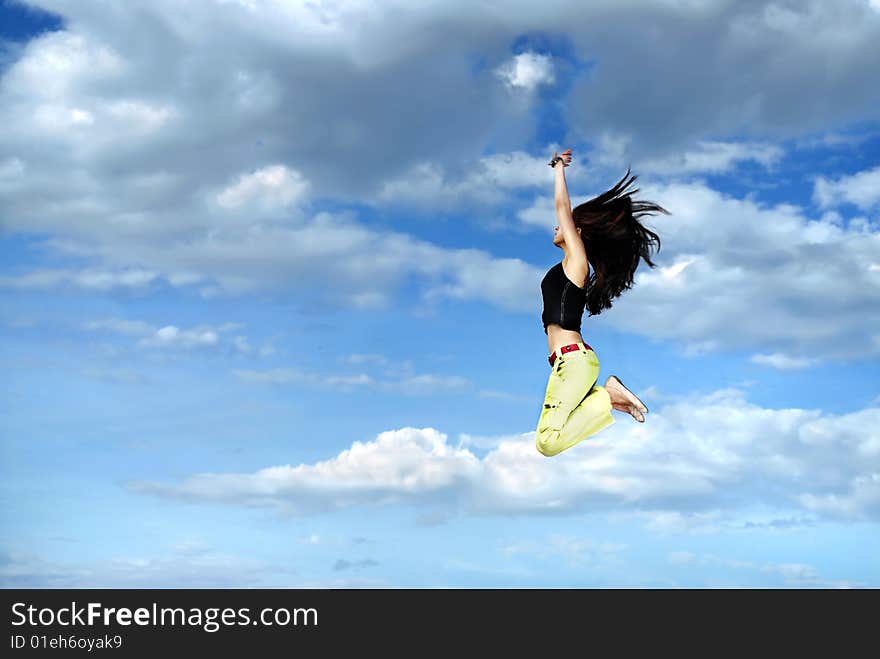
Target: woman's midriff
{"points": [[558, 337]]}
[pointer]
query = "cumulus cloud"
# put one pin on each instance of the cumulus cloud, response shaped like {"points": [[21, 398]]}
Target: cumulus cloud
{"points": [[736, 274], [614, 151], [357, 265], [240, 106], [160, 164], [861, 189], [485, 184], [527, 71], [862, 495], [397, 466], [107, 99], [704, 457], [752, 70], [712, 157], [731, 254], [540, 214], [171, 336], [271, 187]]}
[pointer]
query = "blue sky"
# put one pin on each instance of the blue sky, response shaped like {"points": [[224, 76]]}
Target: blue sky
{"points": [[271, 303]]}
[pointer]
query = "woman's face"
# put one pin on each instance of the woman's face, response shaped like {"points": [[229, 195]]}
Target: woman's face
{"points": [[558, 238]]}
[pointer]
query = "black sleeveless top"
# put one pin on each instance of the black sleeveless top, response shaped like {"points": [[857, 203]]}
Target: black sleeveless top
{"points": [[564, 301]]}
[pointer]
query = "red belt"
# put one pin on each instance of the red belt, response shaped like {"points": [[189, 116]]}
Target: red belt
{"points": [[571, 347]]}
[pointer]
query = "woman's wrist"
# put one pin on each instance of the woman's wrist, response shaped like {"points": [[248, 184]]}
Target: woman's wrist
{"points": [[555, 160]]}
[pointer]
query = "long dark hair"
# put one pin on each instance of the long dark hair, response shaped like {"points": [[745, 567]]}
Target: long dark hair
{"points": [[615, 241]]}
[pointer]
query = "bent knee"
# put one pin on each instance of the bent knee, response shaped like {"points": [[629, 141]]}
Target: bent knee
{"points": [[546, 442]]}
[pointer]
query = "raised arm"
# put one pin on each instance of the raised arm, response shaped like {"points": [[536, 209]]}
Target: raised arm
{"points": [[563, 211]]}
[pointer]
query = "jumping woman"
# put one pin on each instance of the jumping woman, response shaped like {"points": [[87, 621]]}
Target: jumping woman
{"points": [[605, 228]]}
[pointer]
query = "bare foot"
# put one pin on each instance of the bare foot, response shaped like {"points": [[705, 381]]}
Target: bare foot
{"points": [[624, 400]]}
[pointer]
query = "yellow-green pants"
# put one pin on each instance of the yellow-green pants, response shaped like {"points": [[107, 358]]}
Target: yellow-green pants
{"points": [[575, 407]]}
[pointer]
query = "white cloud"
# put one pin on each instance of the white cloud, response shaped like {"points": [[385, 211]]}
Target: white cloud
{"points": [[735, 274], [271, 187], [862, 495], [696, 462], [171, 336], [527, 71], [242, 345], [60, 63], [712, 157], [361, 266], [87, 280], [614, 151], [220, 125], [733, 254], [487, 182], [397, 466], [752, 70], [223, 91], [139, 115], [541, 214], [422, 184], [861, 189], [485, 441], [782, 361]]}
